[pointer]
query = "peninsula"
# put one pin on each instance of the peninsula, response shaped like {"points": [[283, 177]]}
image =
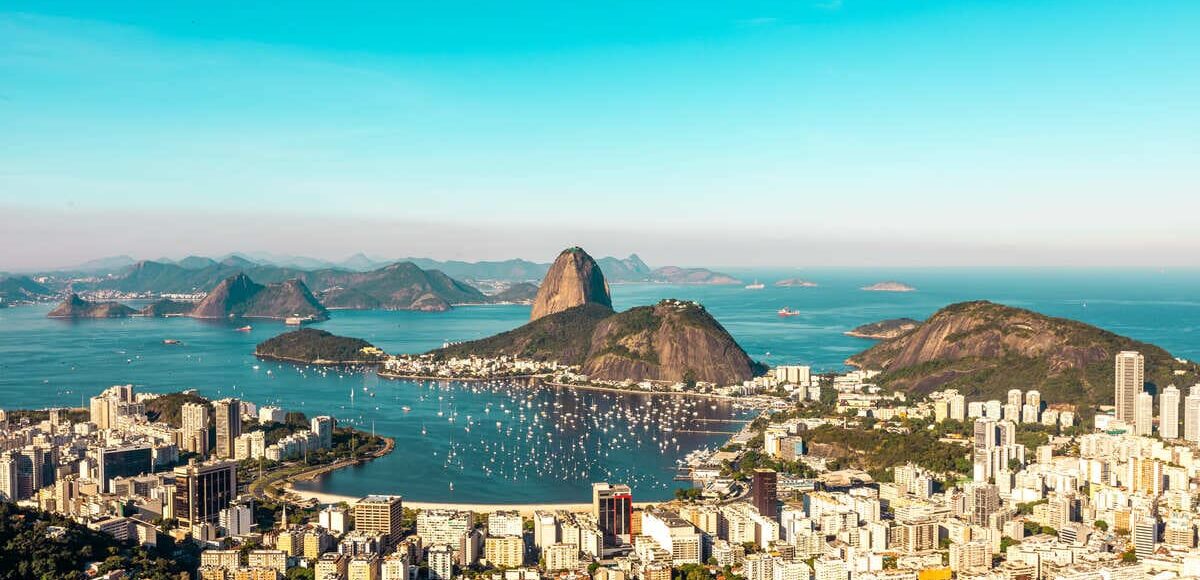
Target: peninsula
{"points": [[884, 329]]}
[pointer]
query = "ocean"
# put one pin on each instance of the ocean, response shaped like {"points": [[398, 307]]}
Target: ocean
{"points": [[522, 444]]}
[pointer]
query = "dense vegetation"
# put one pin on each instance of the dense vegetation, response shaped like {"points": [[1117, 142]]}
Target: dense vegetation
{"points": [[169, 408], [563, 336], [318, 346], [40, 545], [874, 449], [984, 349]]}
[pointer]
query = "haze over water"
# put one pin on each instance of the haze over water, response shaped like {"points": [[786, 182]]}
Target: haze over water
{"points": [[550, 457]]}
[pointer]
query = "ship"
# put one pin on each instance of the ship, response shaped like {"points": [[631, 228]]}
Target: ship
{"points": [[246, 328], [756, 285], [170, 341], [786, 312]]}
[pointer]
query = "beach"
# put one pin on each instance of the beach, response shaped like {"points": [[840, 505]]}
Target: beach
{"points": [[526, 509]]}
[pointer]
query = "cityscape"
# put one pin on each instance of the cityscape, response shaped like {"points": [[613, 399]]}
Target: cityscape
{"points": [[1044, 495], [621, 290]]}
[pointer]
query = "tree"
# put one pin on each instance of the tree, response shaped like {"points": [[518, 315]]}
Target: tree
{"points": [[1101, 525]]}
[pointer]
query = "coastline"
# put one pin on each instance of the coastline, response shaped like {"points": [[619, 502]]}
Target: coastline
{"points": [[318, 362], [541, 380], [641, 392], [525, 509]]}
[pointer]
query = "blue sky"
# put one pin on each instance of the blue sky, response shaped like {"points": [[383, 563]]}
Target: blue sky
{"points": [[847, 132]]}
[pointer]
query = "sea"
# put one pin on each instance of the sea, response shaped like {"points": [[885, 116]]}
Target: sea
{"points": [[497, 442]]}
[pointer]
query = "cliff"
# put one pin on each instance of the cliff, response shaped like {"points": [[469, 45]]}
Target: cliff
{"points": [[984, 349], [573, 280], [312, 346], [76, 307], [239, 296], [884, 329], [670, 341]]}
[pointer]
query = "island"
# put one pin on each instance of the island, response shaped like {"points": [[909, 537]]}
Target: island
{"points": [[795, 283], [318, 347], [884, 329], [889, 286], [75, 307]]}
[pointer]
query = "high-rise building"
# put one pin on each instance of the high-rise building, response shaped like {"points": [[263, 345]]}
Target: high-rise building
{"points": [[441, 562], [983, 500], [1143, 415], [1015, 397], [545, 529], [504, 551], [1145, 536], [505, 523], [127, 461], [612, 506], [1130, 380], [194, 429], [228, 415], [323, 427], [1191, 415], [1168, 418], [766, 500], [1033, 399], [958, 407], [380, 514], [9, 488], [100, 408], [202, 490]]}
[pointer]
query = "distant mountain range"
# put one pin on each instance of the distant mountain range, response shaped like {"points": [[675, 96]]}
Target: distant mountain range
{"points": [[616, 270], [18, 289]]}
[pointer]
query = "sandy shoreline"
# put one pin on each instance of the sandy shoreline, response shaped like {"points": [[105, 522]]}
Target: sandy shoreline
{"points": [[526, 509]]}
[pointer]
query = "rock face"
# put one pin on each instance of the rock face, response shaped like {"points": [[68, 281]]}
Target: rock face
{"points": [[76, 307], [984, 349], [239, 296], [573, 280], [672, 341], [884, 329]]}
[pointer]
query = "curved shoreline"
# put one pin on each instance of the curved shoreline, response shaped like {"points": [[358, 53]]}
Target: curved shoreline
{"points": [[318, 362], [541, 380], [525, 508]]}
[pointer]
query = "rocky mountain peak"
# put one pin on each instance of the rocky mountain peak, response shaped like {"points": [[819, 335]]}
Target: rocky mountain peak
{"points": [[573, 280]]}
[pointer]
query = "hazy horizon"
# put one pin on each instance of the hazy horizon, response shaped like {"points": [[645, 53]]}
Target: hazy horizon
{"points": [[789, 134]]}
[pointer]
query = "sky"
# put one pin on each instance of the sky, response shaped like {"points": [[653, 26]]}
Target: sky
{"points": [[793, 133]]}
